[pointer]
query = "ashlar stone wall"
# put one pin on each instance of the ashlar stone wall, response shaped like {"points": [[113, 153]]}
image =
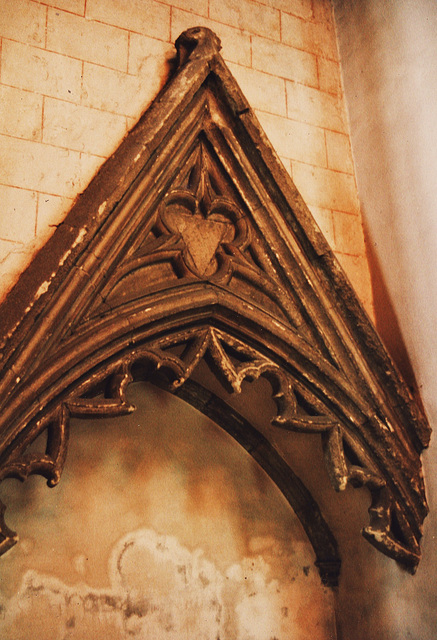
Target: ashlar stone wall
{"points": [[75, 75]]}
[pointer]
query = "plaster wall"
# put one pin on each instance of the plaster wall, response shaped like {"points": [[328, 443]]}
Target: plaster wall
{"points": [[389, 52], [163, 526], [75, 75]]}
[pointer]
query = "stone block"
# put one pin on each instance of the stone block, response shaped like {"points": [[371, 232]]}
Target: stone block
{"points": [[322, 11], [23, 20], [338, 149], [152, 19], [131, 122], [235, 42], [329, 76], [5, 248], [284, 61], [89, 166], [73, 6], [287, 165], [300, 8], [357, 271], [198, 7], [323, 217], [18, 214], [15, 259], [325, 188], [349, 235], [51, 212], [41, 71], [243, 14], [87, 40], [117, 92], [316, 37], [27, 110], [315, 107], [129, 94], [294, 140], [81, 128], [294, 32], [263, 91], [150, 58], [39, 167]]}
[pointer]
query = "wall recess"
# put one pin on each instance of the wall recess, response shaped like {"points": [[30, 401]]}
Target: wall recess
{"points": [[193, 243]]}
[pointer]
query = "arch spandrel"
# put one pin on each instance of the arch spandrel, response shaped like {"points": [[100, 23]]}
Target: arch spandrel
{"points": [[192, 242]]}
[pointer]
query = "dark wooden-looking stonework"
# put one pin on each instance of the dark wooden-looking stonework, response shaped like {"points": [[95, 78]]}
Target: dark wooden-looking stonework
{"points": [[193, 243]]}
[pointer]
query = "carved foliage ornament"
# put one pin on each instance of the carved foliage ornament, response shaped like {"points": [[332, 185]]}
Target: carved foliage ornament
{"points": [[192, 243]]}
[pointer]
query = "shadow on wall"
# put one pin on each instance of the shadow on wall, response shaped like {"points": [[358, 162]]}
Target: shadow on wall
{"points": [[386, 320]]}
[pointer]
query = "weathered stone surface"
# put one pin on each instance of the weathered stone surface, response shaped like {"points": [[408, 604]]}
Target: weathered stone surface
{"points": [[193, 243]]}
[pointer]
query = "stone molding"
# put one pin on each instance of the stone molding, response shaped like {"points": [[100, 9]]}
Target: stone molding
{"points": [[193, 243]]}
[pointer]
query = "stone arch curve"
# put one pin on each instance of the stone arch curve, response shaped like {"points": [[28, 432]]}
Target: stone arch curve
{"points": [[193, 242]]}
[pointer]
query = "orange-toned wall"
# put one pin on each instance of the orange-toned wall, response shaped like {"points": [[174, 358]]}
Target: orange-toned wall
{"points": [[162, 527], [76, 74], [389, 54]]}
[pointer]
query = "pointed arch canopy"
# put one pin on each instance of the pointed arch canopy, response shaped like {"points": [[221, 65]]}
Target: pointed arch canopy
{"points": [[192, 242]]}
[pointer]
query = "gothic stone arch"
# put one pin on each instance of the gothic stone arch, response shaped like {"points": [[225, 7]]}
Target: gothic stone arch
{"points": [[192, 242]]}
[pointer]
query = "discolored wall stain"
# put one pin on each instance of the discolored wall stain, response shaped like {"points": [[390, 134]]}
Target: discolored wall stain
{"points": [[157, 588], [162, 526]]}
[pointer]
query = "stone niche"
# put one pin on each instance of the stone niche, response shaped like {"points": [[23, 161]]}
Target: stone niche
{"points": [[163, 526]]}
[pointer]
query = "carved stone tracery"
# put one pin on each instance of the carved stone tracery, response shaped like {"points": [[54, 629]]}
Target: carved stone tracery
{"points": [[193, 244], [197, 211]]}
